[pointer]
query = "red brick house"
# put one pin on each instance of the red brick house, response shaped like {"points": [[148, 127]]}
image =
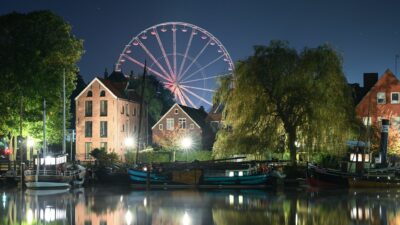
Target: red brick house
{"points": [[180, 122], [382, 101], [107, 112]]}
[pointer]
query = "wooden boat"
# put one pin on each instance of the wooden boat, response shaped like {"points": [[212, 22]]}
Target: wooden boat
{"points": [[202, 174], [324, 177]]}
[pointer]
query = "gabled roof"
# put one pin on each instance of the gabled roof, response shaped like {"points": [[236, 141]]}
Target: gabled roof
{"points": [[116, 84], [197, 115], [387, 79]]}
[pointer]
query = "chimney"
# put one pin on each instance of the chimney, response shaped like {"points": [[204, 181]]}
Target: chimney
{"points": [[369, 80], [384, 142]]}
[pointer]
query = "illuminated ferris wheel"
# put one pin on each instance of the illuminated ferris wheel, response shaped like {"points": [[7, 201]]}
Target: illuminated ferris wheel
{"points": [[187, 59]]}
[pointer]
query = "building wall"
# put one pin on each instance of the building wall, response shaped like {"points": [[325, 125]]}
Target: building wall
{"points": [[120, 124], [369, 106], [176, 133]]}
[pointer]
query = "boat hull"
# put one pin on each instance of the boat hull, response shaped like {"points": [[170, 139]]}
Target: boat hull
{"points": [[43, 185], [318, 177]]}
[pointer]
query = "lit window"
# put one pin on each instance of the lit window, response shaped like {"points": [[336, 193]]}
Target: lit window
{"points": [[381, 98], [395, 98], [88, 149], [160, 126], [170, 123], [367, 121], [231, 173], [182, 123], [240, 173], [103, 145]]}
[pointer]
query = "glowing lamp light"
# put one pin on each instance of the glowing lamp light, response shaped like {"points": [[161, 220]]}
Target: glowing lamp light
{"points": [[7, 151], [186, 143], [129, 142], [30, 142]]}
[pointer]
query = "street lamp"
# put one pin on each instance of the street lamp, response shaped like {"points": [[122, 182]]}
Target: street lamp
{"points": [[129, 142], [186, 143]]}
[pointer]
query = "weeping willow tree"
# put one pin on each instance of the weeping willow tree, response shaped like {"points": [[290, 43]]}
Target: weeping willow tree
{"points": [[279, 92]]}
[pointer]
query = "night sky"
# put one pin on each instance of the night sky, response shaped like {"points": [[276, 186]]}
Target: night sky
{"points": [[366, 33]]}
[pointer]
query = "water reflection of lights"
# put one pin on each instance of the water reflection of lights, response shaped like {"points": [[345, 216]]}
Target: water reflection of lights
{"points": [[4, 200], [128, 217], [186, 220], [240, 199], [145, 202], [359, 213], [231, 199], [121, 198], [29, 216], [50, 214]]}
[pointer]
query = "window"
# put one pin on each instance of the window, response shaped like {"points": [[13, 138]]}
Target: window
{"points": [[103, 128], [89, 94], [395, 98], [134, 111], [191, 126], [123, 128], [170, 123], [395, 122], [88, 129], [88, 108], [367, 121], [182, 123], [103, 145], [381, 98], [122, 109], [127, 110], [160, 126], [103, 222], [102, 93], [88, 149], [176, 111], [103, 108]]}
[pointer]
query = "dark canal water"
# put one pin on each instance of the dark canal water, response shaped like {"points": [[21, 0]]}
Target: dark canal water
{"points": [[116, 205]]}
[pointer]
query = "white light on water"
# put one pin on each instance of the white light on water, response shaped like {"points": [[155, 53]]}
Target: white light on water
{"points": [[231, 199], [4, 199], [128, 217], [186, 220]]}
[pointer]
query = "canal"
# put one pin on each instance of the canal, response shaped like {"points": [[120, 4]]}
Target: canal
{"points": [[116, 205]]}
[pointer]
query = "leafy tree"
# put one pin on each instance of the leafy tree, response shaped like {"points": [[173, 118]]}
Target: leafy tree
{"points": [[35, 49], [105, 159], [279, 91]]}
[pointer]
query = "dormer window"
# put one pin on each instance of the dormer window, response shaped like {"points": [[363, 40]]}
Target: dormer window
{"points": [[395, 98], [102, 93], [381, 98], [89, 94], [176, 111]]}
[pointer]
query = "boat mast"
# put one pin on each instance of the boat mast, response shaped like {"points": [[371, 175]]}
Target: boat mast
{"points": [[140, 111], [63, 144]]}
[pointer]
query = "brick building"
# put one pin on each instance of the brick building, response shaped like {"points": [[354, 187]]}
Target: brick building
{"points": [[182, 121], [107, 112], [382, 100]]}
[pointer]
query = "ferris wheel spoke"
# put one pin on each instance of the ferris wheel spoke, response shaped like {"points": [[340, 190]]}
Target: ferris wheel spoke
{"points": [[174, 48], [209, 64], [161, 45], [197, 96], [187, 98], [195, 59], [149, 68], [197, 88], [185, 56], [153, 58], [180, 96], [201, 79]]}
